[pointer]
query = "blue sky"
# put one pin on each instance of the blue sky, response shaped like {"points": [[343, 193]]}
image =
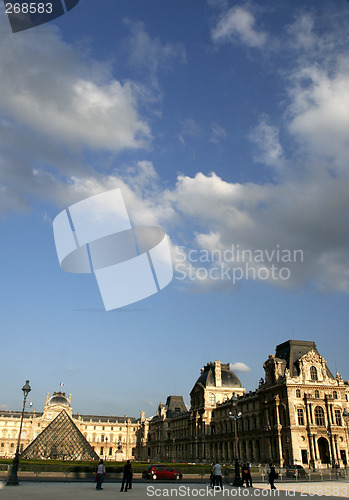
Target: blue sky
{"points": [[226, 124]]}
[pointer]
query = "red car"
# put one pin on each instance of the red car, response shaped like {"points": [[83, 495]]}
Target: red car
{"points": [[161, 472]]}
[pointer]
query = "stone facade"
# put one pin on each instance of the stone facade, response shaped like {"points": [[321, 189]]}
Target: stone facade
{"points": [[295, 416], [113, 438]]}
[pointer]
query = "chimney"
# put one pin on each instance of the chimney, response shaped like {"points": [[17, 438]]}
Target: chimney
{"points": [[218, 373]]}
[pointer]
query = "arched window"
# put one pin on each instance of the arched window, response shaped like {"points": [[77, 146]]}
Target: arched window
{"points": [[102, 438], [212, 399], [313, 373], [319, 416], [298, 393], [317, 394]]}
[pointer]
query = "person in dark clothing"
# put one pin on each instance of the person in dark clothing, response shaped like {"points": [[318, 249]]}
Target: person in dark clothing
{"points": [[246, 475], [212, 476], [249, 477], [272, 476], [127, 476]]}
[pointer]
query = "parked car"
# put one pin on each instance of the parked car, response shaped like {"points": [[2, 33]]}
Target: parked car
{"points": [[161, 472], [295, 471]]}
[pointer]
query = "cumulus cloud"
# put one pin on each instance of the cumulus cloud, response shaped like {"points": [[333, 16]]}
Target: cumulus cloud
{"points": [[54, 105], [239, 367], [44, 86], [238, 24]]}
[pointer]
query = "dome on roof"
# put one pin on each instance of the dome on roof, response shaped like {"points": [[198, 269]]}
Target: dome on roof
{"points": [[228, 377], [59, 398]]}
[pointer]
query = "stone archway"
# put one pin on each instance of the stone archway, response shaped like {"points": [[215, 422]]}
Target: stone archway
{"points": [[324, 450]]}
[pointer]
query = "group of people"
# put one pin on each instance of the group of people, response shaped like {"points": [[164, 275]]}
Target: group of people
{"points": [[215, 476], [126, 476]]}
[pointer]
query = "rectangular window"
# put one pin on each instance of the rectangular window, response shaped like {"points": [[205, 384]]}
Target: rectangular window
{"points": [[300, 415], [337, 416]]}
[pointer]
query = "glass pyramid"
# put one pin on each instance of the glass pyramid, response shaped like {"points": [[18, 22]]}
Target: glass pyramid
{"points": [[60, 440]]}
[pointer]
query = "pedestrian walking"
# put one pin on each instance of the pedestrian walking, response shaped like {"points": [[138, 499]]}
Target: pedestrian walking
{"points": [[272, 475]]}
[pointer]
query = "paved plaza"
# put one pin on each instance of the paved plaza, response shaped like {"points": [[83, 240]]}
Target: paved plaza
{"points": [[140, 491]]}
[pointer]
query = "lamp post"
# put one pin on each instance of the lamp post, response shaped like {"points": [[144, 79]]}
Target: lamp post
{"points": [[235, 415], [106, 448], [346, 420], [13, 479]]}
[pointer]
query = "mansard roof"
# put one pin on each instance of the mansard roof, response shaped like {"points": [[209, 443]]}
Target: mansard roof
{"points": [[292, 350]]}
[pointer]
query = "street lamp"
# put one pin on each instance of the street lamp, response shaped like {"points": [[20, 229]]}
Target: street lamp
{"points": [[13, 479], [106, 447], [346, 420], [235, 415]]}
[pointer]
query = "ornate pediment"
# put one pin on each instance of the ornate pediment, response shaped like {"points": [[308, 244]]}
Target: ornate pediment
{"points": [[312, 367]]}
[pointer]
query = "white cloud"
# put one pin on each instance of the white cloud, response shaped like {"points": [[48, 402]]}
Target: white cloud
{"points": [[238, 24], [307, 208], [44, 86], [191, 129], [149, 54], [319, 118], [239, 367], [218, 134], [266, 137]]}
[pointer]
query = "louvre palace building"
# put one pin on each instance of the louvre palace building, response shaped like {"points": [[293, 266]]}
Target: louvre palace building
{"points": [[295, 416]]}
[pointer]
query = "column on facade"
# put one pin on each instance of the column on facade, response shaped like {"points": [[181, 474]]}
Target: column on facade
{"points": [[329, 430], [310, 441]]}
